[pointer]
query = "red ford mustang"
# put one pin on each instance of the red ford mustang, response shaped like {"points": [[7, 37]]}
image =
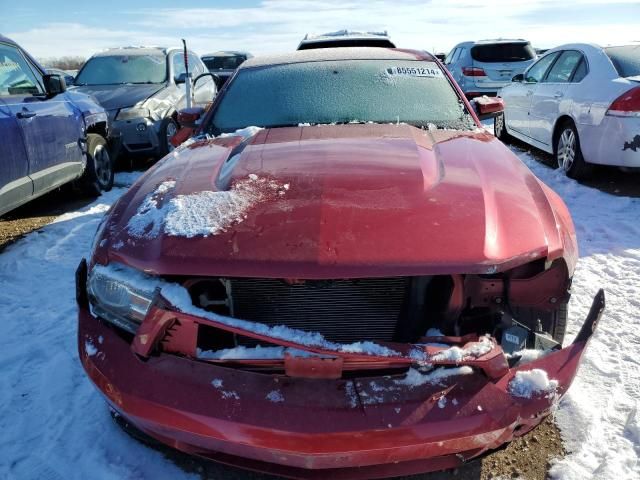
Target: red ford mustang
{"points": [[363, 284]]}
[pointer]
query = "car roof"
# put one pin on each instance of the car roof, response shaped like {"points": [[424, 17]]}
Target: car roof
{"points": [[341, 53], [491, 42], [132, 50], [227, 53]]}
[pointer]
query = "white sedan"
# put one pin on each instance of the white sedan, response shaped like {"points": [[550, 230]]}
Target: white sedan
{"points": [[579, 102]]}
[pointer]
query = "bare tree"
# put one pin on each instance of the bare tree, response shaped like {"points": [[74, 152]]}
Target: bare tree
{"points": [[63, 63]]}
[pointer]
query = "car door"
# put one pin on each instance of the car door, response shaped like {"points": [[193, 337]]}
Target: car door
{"points": [[518, 95], [549, 96], [16, 186], [51, 127]]}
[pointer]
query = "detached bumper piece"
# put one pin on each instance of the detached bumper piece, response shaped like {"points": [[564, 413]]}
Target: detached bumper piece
{"points": [[332, 415]]}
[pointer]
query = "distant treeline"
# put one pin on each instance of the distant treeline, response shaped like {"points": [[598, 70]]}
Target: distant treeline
{"points": [[63, 63]]}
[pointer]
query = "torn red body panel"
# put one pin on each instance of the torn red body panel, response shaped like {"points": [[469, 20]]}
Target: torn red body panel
{"points": [[364, 426]]}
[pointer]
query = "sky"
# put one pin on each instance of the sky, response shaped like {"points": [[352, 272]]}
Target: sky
{"points": [[49, 30]]}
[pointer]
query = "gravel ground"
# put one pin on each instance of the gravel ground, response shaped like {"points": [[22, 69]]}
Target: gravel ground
{"points": [[526, 458]]}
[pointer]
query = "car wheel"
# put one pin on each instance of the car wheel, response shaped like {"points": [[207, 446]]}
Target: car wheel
{"points": [[554, 323], [499, 128], [168, 129], [99, 172], [568, 154]]}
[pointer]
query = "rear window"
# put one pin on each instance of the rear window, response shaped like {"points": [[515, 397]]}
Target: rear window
{"points": [[503, 52], [368, 42], [626, 59], [354, 91], [223, 62]]}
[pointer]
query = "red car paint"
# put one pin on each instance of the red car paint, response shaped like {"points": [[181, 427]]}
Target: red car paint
{"points": [[364, 201], [404, 431]]}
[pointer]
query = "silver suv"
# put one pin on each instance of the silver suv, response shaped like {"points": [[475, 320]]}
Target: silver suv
{"points": [[142, 89], [484, 67]]}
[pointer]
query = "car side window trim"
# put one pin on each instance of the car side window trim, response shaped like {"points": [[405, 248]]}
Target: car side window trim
{"points": [[575, 70], [35, 72], [549, 67]]}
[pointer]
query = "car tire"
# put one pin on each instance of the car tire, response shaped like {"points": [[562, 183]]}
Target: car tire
{"points": [[168, 128], [500, 129], [99, 172], [568, 154], [554, 323]]}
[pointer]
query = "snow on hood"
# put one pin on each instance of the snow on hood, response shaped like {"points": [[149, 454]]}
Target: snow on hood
{"points": [[202, 213]]}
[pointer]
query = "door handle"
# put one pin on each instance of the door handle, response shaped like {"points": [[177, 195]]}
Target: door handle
{"points": [[558, 95], [26, 114]]}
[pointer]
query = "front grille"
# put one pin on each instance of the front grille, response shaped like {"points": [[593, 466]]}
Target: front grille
{"points": [[343, 311]]}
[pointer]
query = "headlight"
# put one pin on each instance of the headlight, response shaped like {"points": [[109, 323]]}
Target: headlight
{"points": [[132, 112], [121, 295]]}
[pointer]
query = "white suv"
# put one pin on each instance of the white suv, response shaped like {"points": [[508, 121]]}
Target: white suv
{"points": [[484, 67]]}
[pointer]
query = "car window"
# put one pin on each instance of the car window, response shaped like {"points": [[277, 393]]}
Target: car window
{"points": [[16, 76], [449, 58], [536, 73], [563, 68], [119, 69], [626, 59], [503, 52], [581, 71], [355, 91]]}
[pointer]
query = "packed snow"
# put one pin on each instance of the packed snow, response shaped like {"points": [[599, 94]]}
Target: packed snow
{"points": [[201, 213], [414, 378], [528, 383], [55, 424], [457, 354]]}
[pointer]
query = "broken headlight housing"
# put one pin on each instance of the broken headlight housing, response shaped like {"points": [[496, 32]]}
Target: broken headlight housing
{"points": [[120, 295]]}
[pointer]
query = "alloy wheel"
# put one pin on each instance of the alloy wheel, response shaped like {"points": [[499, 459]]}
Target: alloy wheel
{"points": [[566, 149], [102, 163]]}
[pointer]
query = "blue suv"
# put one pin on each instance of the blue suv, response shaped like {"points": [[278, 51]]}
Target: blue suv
{"points": [[50, 136]]}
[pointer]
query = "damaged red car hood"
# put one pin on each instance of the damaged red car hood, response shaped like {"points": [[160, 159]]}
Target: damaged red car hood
{"points": [[347, 201]]}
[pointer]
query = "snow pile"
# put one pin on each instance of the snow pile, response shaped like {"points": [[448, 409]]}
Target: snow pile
{"points": [[201, 213], [528, 355], [253, 353], [209, 213], [528, 383], [414, 378], [150, 214], [242, 132], [456, 354]]}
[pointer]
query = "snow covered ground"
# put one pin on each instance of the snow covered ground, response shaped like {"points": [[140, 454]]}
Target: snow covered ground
{"points": [[55, 426]]}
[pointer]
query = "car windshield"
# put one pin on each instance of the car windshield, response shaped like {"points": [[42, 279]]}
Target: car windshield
{"points": [[123, 69], [503, 52], [227, 62], [355, 91], [626, 59]]}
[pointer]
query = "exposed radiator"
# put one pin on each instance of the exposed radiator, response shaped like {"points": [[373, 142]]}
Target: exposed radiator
{"points": [[343, 311]]}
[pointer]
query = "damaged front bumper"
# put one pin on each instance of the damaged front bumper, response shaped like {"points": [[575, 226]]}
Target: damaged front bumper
{"points": [[325, 416]]}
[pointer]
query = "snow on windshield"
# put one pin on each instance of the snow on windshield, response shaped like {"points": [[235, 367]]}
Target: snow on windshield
{"points": [[379, 91]]}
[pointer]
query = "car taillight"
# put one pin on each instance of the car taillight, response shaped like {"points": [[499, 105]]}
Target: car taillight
{"points": [[473, 72], [627, 104]]}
